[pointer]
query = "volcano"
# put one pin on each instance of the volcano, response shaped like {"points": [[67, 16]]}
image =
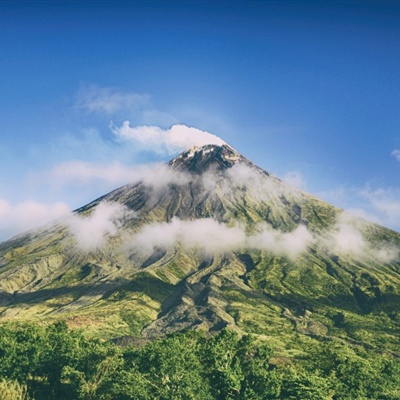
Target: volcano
{"points": [[208, 241]]}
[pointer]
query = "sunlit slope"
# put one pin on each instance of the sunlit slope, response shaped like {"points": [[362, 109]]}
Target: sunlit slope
{"points": [[207, 241]]}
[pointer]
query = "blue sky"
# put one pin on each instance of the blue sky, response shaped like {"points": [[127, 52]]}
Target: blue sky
{"points": [[308, 90]]}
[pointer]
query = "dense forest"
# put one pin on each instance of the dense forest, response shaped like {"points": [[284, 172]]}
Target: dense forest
{"points": [[54, 362]]}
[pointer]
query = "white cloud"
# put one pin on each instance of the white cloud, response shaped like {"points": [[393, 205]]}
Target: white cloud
{"points": [[161, 175], [109, 100], [295, 179], [170, 141], [212, 237], [396, 154], [203, 234], [347, 238], [78, 182], [290, 244], [86, 172], [385, 203], [90, 232], [376, 204], [259, 187], [20, 217]]}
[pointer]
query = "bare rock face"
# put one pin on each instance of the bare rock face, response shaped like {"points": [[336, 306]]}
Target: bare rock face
{"points": [[208, 241], [200, 159]]}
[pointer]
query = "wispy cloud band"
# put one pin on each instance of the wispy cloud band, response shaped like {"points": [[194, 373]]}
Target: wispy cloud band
{"points": [[109, 100]]}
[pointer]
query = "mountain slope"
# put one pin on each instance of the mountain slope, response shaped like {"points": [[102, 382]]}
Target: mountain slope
{"points": [[209, 240]]}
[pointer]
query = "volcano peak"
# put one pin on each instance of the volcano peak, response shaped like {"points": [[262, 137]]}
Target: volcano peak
{"points": [[201, 158]]}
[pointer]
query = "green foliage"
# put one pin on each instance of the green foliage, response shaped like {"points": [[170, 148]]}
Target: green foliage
{"points": [[174, 366], [54, 362], [12, 390], [354, 374]]}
